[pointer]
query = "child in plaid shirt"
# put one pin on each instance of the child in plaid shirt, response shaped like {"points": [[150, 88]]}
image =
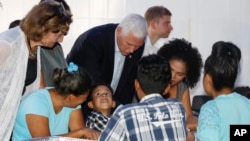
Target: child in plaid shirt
{"points": [[100, 100]]}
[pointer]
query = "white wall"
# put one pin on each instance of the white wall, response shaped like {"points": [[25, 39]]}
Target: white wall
{"points": [[199, 21]]}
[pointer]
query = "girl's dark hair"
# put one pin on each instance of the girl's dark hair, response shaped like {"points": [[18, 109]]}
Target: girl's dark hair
{"points": [[181, 49], [76, 82], [93, 87], [223, 64], [47, 16]]}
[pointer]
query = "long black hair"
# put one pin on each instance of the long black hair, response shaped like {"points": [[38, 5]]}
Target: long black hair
{"points": [[223, 64]]}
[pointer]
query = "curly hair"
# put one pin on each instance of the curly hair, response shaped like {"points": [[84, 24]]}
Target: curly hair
{"points": [[153, 74], [181, 49]]}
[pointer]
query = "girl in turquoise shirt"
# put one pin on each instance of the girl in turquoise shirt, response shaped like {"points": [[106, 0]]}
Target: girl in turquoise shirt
{"points": [[227, 107]]}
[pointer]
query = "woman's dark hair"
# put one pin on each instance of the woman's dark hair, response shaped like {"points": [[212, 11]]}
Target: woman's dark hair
{"points": [[76, 82], [93, 87], [47, 16], [182, 50], [222, 65]]}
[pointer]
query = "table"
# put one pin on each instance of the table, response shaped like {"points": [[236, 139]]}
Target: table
{"points": [[57, 138]]}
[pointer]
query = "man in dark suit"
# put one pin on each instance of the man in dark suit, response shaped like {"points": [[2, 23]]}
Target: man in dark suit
{"points": [[110, 52]]}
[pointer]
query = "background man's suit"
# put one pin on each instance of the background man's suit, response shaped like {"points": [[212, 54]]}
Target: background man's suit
{"points": [[94, 51]]}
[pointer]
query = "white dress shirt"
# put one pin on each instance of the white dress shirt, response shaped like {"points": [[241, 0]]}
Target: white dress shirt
{"points": [[118, 66], [152, 49]]}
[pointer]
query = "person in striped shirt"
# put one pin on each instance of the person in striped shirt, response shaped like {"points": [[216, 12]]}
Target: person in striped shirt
{"points": [[154, 118]]}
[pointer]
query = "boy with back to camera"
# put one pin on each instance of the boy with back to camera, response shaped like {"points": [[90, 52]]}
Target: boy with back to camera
{"points": [[153, 118]]}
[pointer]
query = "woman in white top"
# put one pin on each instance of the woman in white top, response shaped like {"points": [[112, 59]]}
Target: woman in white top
{"points": [[44, 25]]}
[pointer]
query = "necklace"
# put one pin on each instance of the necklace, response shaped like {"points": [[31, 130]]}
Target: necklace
{"points": [[32, 54]]}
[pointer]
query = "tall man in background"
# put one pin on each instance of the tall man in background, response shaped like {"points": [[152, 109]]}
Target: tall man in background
{"points": [[159, 27]]}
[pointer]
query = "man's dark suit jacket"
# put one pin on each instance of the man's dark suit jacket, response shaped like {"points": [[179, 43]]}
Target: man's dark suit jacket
{"points": [[94, 50]]}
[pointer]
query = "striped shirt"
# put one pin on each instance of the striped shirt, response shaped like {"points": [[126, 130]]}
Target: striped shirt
{"points": [[96, 120], [153, 119]]}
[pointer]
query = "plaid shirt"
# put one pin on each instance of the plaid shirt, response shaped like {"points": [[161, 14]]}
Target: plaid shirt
{"points": [[96, 120], [153, 119]]}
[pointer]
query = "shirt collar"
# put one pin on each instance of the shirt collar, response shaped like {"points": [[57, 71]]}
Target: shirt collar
{"points": [[116, 44], [148, 42], [150, 96]]}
